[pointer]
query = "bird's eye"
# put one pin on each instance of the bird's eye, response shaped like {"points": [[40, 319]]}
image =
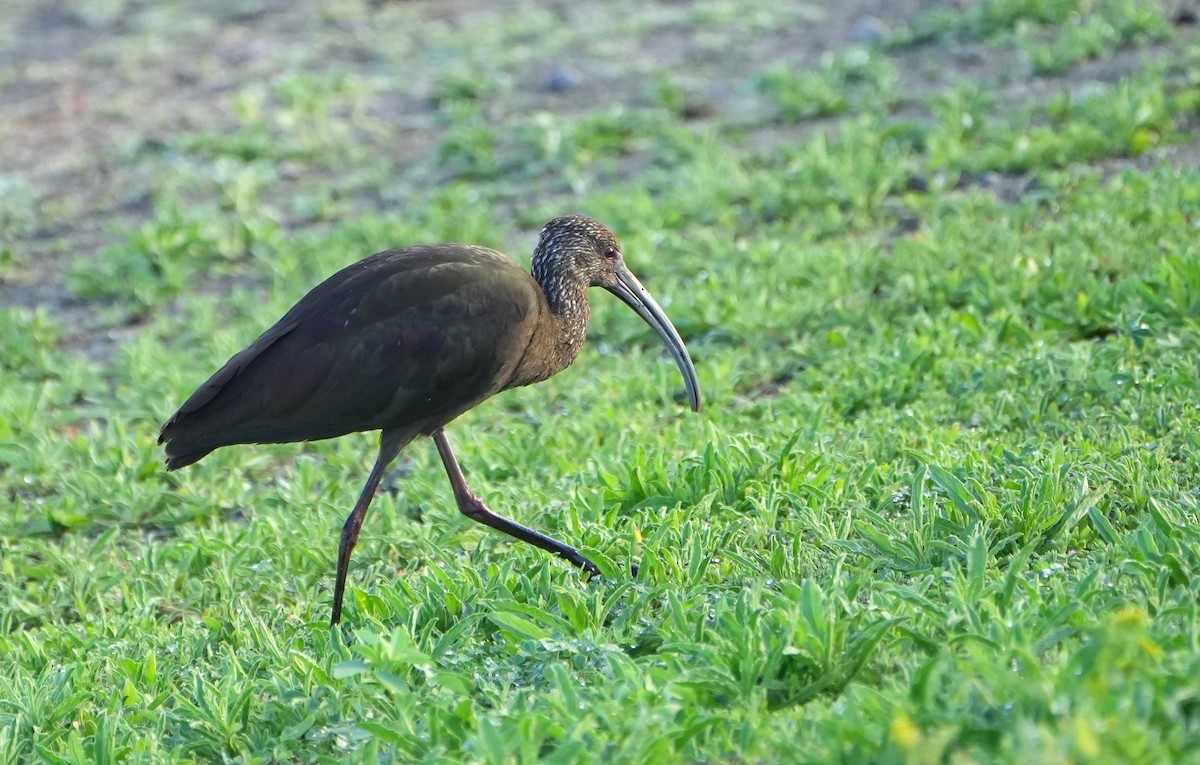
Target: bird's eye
{"points": [[611, 253]]}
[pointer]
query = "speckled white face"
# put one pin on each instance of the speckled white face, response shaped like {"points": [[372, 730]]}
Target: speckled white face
{"points": [[573, 253]]}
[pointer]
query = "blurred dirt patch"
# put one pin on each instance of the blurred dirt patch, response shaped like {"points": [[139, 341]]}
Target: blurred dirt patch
{"points": [[88, 86]]}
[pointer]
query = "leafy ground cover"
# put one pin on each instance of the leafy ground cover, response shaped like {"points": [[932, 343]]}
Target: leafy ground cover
{"points": [[938, 269]]}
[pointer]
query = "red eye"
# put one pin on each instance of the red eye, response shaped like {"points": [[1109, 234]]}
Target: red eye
{"points": [[611, 253]]}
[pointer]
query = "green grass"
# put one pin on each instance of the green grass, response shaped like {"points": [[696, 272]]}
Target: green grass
{"points": [[1053, 34], [941, 504], [850, 80]]}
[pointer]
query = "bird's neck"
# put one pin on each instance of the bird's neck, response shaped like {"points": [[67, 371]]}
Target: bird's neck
{"points": [[571, 313], [558, 338]]}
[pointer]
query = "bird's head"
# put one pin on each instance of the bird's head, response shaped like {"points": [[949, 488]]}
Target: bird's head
{"points": [[575, 252]]}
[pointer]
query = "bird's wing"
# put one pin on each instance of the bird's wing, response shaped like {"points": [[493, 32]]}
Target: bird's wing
{"points": [[406, 338]]}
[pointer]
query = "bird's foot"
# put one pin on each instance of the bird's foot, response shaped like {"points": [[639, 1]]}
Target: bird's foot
{"points": [[594, 573]]}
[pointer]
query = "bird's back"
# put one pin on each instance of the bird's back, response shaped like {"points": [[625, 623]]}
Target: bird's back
{"points": [[408, 338]]}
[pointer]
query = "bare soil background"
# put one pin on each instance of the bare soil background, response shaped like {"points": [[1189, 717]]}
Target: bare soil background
{"points": [[86, 86]]}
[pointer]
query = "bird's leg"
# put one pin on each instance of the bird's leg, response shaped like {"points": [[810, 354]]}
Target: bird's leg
{"points": [[473, 507], [390, 444]]}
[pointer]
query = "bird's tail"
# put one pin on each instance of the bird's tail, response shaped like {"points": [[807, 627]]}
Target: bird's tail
{"points": [[180, 453], [176, 461]]}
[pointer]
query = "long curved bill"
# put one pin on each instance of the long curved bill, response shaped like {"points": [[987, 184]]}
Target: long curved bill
{"points": [[634, 295]]}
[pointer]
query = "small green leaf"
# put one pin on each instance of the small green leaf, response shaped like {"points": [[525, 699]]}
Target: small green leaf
{"points": [[518, 625], [955, 490], [345, 669]]}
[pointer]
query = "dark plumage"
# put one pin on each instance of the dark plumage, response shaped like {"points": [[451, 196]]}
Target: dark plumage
{"points": [[405, 341]]}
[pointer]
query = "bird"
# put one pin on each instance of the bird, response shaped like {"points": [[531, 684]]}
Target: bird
{"points": [[405, 341]]}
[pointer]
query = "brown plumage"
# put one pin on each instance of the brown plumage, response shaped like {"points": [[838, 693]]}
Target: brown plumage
{"points": [[407, 340]]}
